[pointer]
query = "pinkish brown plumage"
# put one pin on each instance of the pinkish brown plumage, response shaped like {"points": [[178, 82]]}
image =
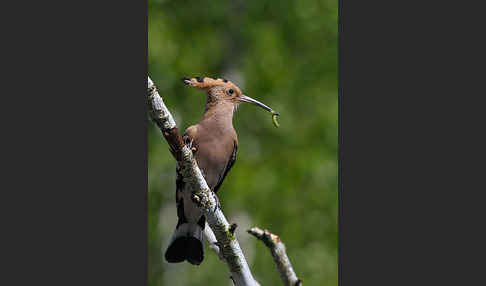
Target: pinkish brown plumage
{"points": [[214, 143]]}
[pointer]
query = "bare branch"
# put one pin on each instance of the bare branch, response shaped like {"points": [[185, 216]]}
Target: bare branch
{"points": [[213, 243], [277, 248], [228, 246]]}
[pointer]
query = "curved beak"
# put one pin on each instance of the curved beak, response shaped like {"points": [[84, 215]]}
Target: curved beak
{"points": [[256, 102]]}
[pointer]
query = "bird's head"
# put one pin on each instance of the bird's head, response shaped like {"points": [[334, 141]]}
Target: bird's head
{"points": [[221, 90]]}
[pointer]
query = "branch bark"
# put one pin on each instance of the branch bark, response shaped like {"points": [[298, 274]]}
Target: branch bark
{"points": [[229, 247], [277, 248], [213, 243]]}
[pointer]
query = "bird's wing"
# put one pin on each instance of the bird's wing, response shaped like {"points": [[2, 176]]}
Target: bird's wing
{"points": [[179, 199], [230, 164]]}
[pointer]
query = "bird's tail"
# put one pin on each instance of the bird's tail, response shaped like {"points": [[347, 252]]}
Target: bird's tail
{"points": [[186, 244]]}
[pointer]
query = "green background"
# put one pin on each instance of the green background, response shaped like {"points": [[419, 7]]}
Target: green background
{"points": [[283, 53]]}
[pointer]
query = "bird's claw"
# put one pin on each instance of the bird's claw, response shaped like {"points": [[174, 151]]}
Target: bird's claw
{"points": [[189, 145]]}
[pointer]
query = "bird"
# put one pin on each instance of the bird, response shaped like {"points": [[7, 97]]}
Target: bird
{"points": [[214, 144]]}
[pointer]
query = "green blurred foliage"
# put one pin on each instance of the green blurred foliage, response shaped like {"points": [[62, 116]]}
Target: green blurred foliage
{"points": [[283, 53]]}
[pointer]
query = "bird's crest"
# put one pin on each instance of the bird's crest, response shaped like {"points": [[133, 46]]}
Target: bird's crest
{"points": [[207, 83]]}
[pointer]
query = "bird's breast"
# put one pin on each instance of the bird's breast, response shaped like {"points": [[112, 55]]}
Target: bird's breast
{"points": [[212, 158]]}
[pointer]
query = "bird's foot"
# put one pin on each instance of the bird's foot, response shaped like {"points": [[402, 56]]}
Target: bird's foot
{"points": [[193, 148], [190, 146]]}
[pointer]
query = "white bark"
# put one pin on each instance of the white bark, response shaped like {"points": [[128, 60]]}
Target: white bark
{"points": [[213, 243], [228, 246], [159, 110]]}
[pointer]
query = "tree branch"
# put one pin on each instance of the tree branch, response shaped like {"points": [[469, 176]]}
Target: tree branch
{"points": [[201, 194], [277, 248], [213, 243]]}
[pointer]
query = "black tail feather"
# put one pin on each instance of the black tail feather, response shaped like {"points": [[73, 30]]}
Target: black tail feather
{"points": [[176, 251], [185, 248], [194, 251]]}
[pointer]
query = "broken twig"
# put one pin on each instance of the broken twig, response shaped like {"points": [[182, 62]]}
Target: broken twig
{"points": [[277, 248]]}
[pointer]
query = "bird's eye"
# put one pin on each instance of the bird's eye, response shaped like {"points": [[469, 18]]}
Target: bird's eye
{"points": [[231, 91]]}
